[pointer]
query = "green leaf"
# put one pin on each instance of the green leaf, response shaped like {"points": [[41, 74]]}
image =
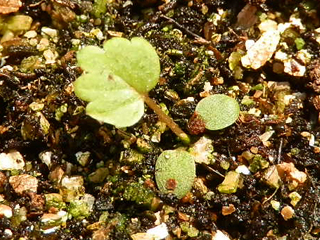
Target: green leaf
{"points": [[111, 100], [218, 111], [136, 62], [175, 172], [115, 79], [92, 59]]}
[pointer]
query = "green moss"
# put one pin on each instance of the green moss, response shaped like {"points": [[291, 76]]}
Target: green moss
{"points": [[121, 222], [131, 157], [138, 193], [299, 43], [81, 208], [258, 87], [54, 200], [60, 111], [189, 229], [257, 163], [99, 7], [179, 69], [294, 151]]}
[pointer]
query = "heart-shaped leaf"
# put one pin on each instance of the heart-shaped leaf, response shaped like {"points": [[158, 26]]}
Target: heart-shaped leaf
{"points": [[115, 79]]}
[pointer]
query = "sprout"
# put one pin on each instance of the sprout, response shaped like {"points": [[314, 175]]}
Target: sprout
{"points": [[117, 80]]}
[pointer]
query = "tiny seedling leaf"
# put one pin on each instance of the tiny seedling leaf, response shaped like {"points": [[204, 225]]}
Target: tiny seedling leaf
{"points": [[116, 78], [175, 172], [218, 111]]}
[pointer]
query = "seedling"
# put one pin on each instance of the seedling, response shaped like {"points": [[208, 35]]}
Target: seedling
{"points": [[217, 111], [175, 172], [116, 82]]}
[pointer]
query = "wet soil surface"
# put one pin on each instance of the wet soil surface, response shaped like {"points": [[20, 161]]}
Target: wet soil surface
{"points": [[72, 177]]}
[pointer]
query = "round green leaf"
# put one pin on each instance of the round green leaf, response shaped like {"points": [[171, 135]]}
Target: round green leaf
{"points": [[175, 172], [218, 111]]}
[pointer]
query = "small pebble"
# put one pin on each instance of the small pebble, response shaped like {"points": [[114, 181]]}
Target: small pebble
{"points": [[23, 182], [5, 211]]}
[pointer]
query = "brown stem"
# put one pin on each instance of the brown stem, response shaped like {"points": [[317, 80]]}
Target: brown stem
{"points": [[167, 120]]}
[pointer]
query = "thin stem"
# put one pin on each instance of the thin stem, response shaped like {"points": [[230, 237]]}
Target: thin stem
{"points": [[167, 120], [275, 191], [213, 170]]}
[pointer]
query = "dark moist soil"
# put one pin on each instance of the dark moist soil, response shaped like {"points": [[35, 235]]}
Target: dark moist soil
{"points": [[127, 199]]}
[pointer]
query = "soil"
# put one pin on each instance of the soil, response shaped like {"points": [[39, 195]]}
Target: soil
{"points": [[41, 116]]}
